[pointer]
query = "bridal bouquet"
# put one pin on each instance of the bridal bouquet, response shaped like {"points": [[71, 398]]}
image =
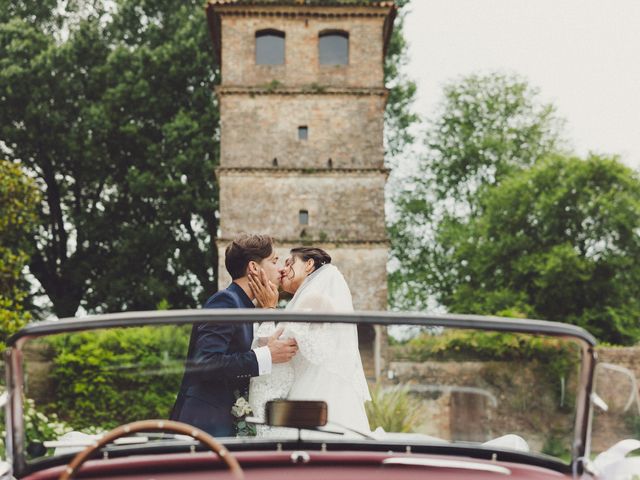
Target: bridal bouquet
{"points": [[240, 410]]}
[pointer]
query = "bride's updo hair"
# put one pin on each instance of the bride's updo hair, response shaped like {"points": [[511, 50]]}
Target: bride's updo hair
{"points": [[319, 256]]}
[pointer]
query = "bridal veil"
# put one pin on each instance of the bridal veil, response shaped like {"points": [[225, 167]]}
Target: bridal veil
{"points": [[331, 346]]}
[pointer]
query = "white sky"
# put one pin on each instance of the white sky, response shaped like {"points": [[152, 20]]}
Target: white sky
{"points": [[583, 55]]}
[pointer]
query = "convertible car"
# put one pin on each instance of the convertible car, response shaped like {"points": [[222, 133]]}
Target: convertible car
{"points": [[451, 397]]}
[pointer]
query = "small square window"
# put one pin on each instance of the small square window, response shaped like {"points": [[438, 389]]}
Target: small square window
{"points": [[303, 217], [303, 133]]}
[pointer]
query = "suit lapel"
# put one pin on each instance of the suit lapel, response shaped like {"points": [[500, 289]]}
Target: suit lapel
{"points": [[245, 330]]}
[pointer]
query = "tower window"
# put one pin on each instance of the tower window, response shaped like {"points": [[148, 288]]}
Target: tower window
{"points": [[334, 47], [274, 162], [269, 47], [303, 133], [303, 217]]}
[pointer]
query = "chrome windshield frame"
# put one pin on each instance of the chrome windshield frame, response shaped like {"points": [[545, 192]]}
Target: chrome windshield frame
{"points": [[582, 426]]}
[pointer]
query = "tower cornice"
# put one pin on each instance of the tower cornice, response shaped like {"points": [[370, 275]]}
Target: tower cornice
{"points": [[276, 89], [323, 243], [283, 171]]}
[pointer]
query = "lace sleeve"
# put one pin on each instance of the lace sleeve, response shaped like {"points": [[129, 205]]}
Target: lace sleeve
{"points": [[314, 339], [264, 329], [332, 346]]}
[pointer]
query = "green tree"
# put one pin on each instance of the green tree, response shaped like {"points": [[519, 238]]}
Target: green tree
{"points": [[487, 127], [18, 200], [398, 117], [116, 121], [558, 241]]}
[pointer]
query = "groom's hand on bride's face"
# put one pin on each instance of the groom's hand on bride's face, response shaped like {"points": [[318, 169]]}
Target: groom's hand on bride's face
{"points": [[281, 350], [263, 289]]}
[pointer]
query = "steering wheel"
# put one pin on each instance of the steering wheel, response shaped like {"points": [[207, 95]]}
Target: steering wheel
{"points": [[154, 425]]}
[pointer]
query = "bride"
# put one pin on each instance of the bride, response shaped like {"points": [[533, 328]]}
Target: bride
{"points": [[328, 365]]}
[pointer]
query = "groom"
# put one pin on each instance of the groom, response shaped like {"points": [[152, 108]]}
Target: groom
{"points": [[220, 359]]}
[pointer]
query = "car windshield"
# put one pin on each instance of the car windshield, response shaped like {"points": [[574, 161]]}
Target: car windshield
{"points": [[430, 385]]}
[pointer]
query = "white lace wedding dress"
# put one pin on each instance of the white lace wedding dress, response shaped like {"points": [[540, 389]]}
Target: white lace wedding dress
{"points": [[328, 365]]}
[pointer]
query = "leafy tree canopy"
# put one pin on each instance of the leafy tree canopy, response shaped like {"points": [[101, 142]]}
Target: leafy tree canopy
{"points": [[116, 121], [559, 241], [498, 222], [18, 200], [487, 127], [399, 116]]}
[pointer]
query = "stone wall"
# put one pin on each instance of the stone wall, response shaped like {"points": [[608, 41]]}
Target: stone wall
{"points": [[343, 206], [615, 388], [478, 400], [302, 66], [256, 129]]}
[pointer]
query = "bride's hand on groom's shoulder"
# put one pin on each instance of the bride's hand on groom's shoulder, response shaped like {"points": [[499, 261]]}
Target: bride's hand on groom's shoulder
{"points": [[281, 350], [263, 289]]}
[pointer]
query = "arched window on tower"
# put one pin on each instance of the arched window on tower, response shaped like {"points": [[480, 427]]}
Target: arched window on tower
{"points": [[303, 217], [334, 47], [269, 47]]}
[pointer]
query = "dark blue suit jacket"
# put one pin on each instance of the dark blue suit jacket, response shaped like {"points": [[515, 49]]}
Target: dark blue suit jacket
{"points": [[219, 362]]}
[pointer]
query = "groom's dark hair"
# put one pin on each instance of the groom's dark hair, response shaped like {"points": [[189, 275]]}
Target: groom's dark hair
{"points": [[245, 249]]}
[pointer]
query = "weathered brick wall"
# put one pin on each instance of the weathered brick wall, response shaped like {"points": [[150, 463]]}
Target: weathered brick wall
{"points": [[628, 357], [344, 128], [342, 206], [478, 401], [302, 66], [614, 388], [443, 416]]}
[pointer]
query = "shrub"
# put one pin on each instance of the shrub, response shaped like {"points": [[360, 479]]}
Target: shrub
{"points": [[558, 356], [393, 409], [40, 427], [479, 345], [18, 200], [110, 377]]}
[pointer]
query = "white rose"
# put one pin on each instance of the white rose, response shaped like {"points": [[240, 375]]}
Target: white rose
{"points": [[237, 412], [241, 408]]}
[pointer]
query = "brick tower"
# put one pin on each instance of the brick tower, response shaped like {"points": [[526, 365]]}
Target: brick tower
{"points": [[302, 101]]}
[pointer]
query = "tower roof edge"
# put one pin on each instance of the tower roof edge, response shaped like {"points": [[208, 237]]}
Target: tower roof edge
{"points": [[303, 3], [214, 9]]}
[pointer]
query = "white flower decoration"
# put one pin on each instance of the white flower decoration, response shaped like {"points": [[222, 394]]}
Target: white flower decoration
{"points": [[241, 408]]}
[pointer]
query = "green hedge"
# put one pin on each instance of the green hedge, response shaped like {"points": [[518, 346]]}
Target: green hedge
{"points": [[478, 345], [559, 356], [109, 377]]}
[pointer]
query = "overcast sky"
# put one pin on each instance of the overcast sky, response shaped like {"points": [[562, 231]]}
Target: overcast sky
{"points": [[583, 55]]}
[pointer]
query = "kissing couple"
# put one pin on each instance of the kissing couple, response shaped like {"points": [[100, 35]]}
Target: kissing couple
{"points": [[293, 360]]}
